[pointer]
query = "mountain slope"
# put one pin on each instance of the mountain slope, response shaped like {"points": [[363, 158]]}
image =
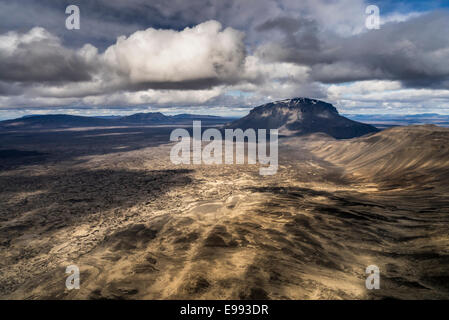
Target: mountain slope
{"points": [[399, 156], [300, 116]]}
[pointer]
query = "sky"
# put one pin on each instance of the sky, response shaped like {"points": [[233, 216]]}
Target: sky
{"points": [[222, 57]]}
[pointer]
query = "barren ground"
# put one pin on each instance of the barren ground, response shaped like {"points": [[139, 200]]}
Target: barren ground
{"points": [[110, 201]]}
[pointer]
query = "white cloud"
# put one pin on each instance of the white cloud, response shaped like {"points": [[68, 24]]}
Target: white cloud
{"points": [[155, 97], [204, 52], [387, 97], [362, 88], [399, 17]]}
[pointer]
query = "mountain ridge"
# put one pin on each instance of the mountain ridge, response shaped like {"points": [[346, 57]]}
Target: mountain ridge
{"points": [[65, 120]]}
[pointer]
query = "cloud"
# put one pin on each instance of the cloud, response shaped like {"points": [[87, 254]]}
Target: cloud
{"points": [[102, 21], [413, 51], [200, 57], [213, 53], [299, 43], [159, 97], [376, 96], [197, 57], [192, 66], [38, 56]]}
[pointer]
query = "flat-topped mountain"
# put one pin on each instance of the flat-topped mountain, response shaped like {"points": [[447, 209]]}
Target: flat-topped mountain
{"points": [[301, 116]]}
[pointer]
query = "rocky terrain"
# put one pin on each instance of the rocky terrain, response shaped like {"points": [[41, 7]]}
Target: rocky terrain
{"points": [[110, 201]]}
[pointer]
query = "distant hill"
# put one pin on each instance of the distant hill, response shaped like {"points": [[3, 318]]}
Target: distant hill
{"points": [[196, 117], [54, 120], [68, 121], [145, 118], [389, 120], [301, 116]]}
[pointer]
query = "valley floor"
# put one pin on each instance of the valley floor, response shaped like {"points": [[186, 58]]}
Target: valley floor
{"points": [[139, 227]]}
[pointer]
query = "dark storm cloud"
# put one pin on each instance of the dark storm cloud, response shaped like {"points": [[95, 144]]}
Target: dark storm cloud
{"points": [[9, 89], [101, 24], [414, 52], [287, 25], [299, 42], [102, 21], [37, 56]]}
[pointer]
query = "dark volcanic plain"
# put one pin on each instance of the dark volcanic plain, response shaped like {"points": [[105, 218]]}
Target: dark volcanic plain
{"points": [[110, 201]]}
